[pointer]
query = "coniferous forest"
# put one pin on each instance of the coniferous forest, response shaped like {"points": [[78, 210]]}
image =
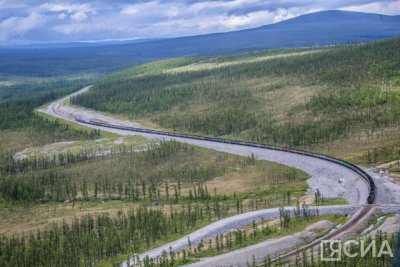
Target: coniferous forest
{"points": [[156, 194], [358, 82], [101, 206]]}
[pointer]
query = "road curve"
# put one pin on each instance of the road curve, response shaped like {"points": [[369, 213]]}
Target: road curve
{"points": [[237, 222], [324, 175]]}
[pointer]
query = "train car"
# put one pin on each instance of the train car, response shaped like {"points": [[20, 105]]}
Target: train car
{"points": [[362, 173]]}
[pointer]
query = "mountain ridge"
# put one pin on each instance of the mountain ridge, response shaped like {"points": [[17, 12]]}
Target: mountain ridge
{"points": [[314, 29]]}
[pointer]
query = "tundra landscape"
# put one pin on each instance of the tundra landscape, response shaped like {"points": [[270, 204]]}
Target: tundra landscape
{"points": [[257, 146]]}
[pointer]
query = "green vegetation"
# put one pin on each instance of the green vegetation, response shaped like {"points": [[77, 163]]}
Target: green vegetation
{"points": [[95, 147], [256, 234], [17, 104], [70, 204], [380, 155], [167, 186], [89, 239], [288, 224], [21, 127], [66, 194], [160, 173], [302, 99]]}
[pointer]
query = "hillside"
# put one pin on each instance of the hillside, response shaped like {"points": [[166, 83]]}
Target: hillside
{"points": [[301, 98], [80, 187], [315, 29], [58, 179]]}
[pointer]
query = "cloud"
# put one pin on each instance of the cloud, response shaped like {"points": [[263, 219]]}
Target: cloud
{"points": [[387, 8], [15, 27], [74, 20], [62, 16], [79, 16], [69, 8], [251, 19], [76, 12]]}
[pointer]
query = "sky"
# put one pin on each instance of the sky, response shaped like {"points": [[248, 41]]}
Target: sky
{"points": [[37, 21]]}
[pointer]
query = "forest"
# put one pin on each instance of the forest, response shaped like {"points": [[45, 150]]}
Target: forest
{"points": [[234, 96], [91, 202], [86, 209], [172, 199]]}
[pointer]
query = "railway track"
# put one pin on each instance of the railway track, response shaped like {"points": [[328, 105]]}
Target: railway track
{"points": [[352, 167], [316, 243]]}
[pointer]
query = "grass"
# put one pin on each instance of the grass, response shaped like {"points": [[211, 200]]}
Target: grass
{"points": [[258, 185], [100, 146], [15, 140], [297, 226], [333, 201], [220, 62], [341, 101]]}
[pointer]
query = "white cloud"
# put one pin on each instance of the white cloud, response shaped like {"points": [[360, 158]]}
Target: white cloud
{"points": [[62, 16], [70, 8], [71, 20], [16, 26], [225, 5], [154, 9], [77, 12], [252, 19], [284, 14], [388, 8], [79, 16]]}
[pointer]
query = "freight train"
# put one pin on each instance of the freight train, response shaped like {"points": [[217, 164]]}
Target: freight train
{"points": [[354, 168]]}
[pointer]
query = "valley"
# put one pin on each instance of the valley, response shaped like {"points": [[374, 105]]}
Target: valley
{"points": [[248, 147]]}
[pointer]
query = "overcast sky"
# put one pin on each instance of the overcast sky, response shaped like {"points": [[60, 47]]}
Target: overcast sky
{"points": [[33, 21]]}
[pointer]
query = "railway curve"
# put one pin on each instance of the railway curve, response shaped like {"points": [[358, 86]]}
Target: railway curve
{"points": [[351, 166], [322, 168]]}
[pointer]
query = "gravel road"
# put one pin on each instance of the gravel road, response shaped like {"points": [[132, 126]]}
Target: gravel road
{"points": [[237, 222], [324, 176], [271, 247]]}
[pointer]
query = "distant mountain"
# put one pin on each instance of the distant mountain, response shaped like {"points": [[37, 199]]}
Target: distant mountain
{"points": [[315, 29], [84, 43]]}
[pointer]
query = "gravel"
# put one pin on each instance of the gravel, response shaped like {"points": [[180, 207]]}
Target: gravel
{"points": [[390, 226], [258, 252], [388, 192], [236, 222], [324, 176]]}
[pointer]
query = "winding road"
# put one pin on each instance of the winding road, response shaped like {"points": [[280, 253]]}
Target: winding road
{"points": [[333, 180]]}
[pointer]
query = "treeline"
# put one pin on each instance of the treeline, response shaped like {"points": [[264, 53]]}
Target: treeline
{"points": [[233, 240], [168, 173], [381, 155], [22, 180], [239, 238], [25, 87], [17, 113], [90, 239]]}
